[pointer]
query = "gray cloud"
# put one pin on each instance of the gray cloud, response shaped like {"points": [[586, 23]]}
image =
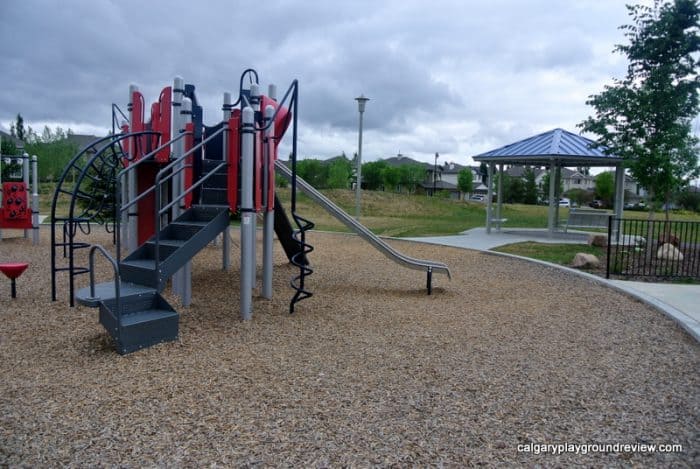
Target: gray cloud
{"points": [[450, 76]]}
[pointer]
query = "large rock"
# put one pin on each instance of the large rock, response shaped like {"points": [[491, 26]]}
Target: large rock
{"points": [[583, 259], [598, 239], [669, 239], [669, 252]]}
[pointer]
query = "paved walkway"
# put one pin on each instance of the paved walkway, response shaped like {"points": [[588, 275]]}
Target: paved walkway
{"points": [[680, 302]]}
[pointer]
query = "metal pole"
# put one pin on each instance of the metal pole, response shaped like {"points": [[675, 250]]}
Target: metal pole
{"points": [[177, 150], [255, 102], [435, 174], [499, 198], [132, 215], [35, 201], [186, 118], [489, 197], [361, 101], [557, 196], [25, 178], [550, 213], [269, 213], [226, 241], [619, 196], [128, 177], [247, 213]]}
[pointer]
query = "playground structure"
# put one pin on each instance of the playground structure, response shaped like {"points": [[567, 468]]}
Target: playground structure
{"points": [[17, 210], [166, 188]]}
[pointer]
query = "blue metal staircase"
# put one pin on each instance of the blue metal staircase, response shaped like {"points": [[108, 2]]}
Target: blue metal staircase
{"points": [[131, 308]]}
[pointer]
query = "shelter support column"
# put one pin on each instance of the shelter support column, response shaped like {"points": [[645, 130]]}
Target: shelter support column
{"points": [[557, 194], [489, 196], [552, 207], [619, 193], [499, 198]]}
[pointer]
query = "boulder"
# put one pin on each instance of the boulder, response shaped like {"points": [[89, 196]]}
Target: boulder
{"points": [[669, 252], [598, 239], [669, 239], [583, 259]]}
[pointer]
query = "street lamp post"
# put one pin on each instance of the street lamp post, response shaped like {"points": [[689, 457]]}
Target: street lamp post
{"points": [[361, 101], [435, 173]]}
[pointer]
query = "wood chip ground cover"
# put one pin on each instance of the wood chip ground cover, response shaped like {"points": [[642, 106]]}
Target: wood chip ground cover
{"points": [[369, 371]]}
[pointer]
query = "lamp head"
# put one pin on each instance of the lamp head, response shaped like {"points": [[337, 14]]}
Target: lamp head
{"points": [[361, 101]]}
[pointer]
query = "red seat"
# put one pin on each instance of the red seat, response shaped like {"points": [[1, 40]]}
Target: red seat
{"points": [[13, 270]]}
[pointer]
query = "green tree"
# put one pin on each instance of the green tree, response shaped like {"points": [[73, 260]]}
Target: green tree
{"points": [[516, 191], [484, 172], [17, 128], [544, 187], [646, 117], [605, 187], [465, 181], [530, 187], [411, 176], [8, 147], [689, 199], [391, 177], [314, 172], [339, 172], [372, 175], [53, 149]]}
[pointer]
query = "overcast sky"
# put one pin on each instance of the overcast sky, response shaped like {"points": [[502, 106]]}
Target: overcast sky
{"points": [[454, 77]]}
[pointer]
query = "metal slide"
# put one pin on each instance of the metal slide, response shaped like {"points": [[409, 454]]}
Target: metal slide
{"points": [[409, 262]]}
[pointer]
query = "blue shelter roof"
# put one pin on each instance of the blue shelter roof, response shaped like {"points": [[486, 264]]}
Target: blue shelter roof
{"points": [[558, 144]]}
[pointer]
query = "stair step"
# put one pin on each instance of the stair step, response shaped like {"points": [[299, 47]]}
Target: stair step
{"points": [[199, 213], [212, 196], [216, 181], [144, 321], [105, 291], [168, 242], [208, 165]]}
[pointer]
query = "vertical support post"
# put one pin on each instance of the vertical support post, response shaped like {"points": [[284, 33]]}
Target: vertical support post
{"points": [[128, 178], [255, 103], [1, 163], [25, 178], [619, 197], [499, 198], [557, 195], [226, 241], [186, 280], [130, 188], [177, 150], [489, 197], [247, 213], [550, 213], [269, 205], [35, 201]]}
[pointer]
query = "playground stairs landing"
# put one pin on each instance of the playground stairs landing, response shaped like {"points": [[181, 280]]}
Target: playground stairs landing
{"points": [[144, 317]]}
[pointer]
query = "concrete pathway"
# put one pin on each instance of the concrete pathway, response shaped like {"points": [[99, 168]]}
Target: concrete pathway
{"points": [[680, 302]]}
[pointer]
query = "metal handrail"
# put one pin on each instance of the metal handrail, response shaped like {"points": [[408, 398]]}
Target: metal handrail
{"points": [[159, 180], [180, 197], [117, 281], [144, 158]]}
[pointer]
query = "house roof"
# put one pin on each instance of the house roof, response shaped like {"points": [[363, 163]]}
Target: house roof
{"points": [[441, 185], [401, 160], [82, 140], [557, 145]]}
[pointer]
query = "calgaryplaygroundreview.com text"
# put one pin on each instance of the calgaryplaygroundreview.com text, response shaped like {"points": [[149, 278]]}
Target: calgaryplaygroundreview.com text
{"points": [[587, 448]]}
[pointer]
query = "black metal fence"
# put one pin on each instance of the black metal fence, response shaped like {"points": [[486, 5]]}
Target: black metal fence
{"points": [[664, 250]]}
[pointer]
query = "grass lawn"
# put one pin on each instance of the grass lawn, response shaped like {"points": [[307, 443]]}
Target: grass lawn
{"points": [[561, 254], [402, 215]]}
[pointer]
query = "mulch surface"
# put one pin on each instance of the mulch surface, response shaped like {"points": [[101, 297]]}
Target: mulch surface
{"points": [[370, 371]]}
